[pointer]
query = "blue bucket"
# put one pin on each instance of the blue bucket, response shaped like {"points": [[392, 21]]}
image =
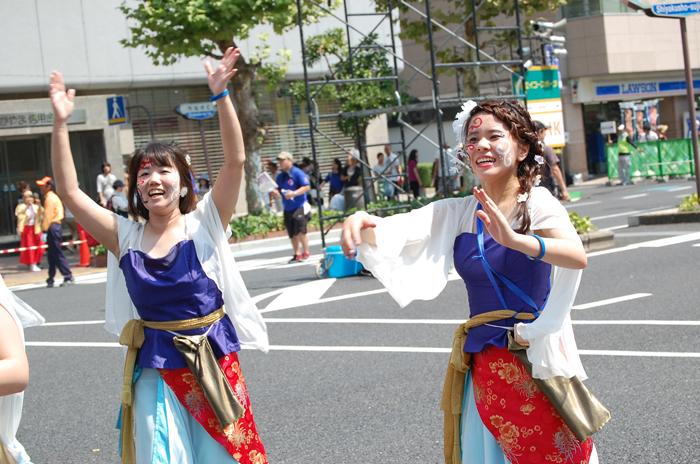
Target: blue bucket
{"points": [[338, 265]]}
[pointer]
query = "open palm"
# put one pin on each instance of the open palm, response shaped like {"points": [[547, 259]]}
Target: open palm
{"points": [[219, 77], [63, 101]]}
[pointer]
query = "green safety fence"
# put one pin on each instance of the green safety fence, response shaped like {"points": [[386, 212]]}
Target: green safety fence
{"points": [[655, 159]]}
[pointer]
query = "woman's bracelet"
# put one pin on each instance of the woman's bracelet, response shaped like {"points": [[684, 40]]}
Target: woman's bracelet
{"points": [[539, 239], [217, 97]]}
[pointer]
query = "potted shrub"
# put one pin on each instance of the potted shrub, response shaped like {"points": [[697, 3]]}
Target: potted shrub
{"points": [[99, 256]]}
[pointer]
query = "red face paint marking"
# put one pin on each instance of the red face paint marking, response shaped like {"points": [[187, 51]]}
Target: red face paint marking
{"points": [[471, 147], [146, 162], [476, 123], [141, 182]]}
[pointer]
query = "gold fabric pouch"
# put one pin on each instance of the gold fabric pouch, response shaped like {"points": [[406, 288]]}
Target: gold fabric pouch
{"points": [[581, 411], [5, 456], [206, 369]]}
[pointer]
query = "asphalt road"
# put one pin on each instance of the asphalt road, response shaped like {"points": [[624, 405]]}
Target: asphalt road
{"points": [[354, 378]]}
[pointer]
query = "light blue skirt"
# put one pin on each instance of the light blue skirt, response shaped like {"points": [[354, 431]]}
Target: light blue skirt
{"points": [[165, 432]]}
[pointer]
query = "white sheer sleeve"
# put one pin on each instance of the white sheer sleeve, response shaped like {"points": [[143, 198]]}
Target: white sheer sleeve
{"points": [[118, 306], [214, 253], [553, 350], [413, 254]]}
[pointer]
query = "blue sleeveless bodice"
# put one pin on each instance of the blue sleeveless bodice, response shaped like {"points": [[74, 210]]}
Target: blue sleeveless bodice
{"points": [[531, 277], [171, 288]]}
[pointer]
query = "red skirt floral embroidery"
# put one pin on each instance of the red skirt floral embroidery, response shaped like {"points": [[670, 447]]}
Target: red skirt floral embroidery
{"points": [[525, 424], [240, 439]]}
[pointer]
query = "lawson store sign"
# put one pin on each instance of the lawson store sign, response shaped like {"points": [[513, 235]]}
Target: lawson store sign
{"points": [[642, 89]]}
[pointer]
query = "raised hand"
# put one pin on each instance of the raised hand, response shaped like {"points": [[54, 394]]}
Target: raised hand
{"points": [[352, 228], [493, 219], [219, 77], [63, 101]]}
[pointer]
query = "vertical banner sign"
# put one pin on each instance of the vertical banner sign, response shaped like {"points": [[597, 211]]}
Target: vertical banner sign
{"points": [[544, 102]]}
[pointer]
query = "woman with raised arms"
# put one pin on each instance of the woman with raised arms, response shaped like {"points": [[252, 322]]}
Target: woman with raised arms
{"points": [[507, 242], [174, 294]]}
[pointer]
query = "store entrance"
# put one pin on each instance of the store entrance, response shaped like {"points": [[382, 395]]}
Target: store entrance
{"points": [[25, 159]]}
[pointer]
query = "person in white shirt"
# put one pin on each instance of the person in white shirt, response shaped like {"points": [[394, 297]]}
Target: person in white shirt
{"points": [[105, 182], [393, 168], [385, 188]]}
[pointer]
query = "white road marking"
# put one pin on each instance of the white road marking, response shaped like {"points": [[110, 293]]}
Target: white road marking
{"points": [[629, 197], [680, 188], [301, 295], [379, 349], [628, 213], [52, 324], [609, 301], [624, 226], [650, 244], [588, 203]]}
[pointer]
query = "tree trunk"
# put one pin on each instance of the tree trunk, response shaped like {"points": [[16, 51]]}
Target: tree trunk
{"points": [[470, 77], [253, 133]]}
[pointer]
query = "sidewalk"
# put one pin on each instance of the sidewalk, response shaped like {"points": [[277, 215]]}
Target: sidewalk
{"points": [[14, 273]]}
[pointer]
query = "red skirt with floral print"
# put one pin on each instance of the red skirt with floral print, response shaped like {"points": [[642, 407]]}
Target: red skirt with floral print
{"points": [[525, 424], [241, 439]]}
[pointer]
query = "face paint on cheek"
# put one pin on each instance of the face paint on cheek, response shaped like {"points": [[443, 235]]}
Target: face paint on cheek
{"points": [[469, 152], [174, 192], [141, 197], [504, 151]]}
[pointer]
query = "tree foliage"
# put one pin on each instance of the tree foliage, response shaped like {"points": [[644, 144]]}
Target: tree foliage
{"points": [[171, 29], [331, 47], [450, 13]]}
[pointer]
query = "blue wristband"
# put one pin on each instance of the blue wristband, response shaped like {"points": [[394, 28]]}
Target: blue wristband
{"points": [[539, 239], [217, 97]]}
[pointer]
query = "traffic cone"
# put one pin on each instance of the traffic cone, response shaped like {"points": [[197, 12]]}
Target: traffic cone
{"points": [[84, 251]]}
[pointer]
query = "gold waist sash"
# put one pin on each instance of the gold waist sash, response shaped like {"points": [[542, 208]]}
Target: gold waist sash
{"points": [[453, 391], [5, 456], [199, 358]]}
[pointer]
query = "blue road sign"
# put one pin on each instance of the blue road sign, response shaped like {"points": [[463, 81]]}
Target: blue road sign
{"points": [[201, 110], [116, 110]]}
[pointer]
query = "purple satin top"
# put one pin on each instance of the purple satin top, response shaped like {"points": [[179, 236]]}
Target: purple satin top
{"points": [[532, 277], [172, 288]]}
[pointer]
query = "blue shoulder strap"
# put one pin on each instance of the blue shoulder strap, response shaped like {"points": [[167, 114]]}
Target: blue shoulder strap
{"points": [[491, 272]]}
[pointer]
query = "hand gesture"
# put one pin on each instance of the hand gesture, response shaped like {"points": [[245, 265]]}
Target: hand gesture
{"points": [[493, 219], [63, 101], [352, 227], [224, 72]]}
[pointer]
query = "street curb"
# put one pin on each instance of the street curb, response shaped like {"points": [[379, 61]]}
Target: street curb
{"points": [[667, 216], [597, 240]]}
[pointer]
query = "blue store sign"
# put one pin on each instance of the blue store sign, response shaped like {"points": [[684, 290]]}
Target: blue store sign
{"points": [[642, 89]]}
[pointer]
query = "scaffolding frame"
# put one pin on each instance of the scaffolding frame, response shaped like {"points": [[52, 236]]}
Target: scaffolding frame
{"points": [[483, 61]]}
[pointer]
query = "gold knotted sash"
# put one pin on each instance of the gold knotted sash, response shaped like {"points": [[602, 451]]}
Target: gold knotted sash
{"points": [[453, 391], [5, 456], [133, 337]]}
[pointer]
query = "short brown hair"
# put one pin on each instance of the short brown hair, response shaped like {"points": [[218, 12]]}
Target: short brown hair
{"points": [[161, 154]]}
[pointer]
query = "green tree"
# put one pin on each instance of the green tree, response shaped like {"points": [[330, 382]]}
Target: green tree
{"points": [[450, 13], [172, 29], [331, 47]]}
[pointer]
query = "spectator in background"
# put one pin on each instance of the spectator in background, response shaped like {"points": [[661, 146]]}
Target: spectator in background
{"points": [[309, 168], [275, 197], [334, 177], [648, 135], [552, 176], [29, 217], [414, 180], [293, 184], [385, 188], [105, 181], [394, 170], [661, 131], [624, 157], [204, 185], [51, 225], [351, 173], [449, 178], [118, 203]]}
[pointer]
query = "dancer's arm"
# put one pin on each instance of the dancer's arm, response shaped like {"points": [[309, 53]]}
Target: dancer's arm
{"points": [[14, 368], [99, 222], [228, 183]]}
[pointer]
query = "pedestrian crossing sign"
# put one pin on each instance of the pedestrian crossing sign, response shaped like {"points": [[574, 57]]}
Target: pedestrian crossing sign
{"points": [[116, 110]]}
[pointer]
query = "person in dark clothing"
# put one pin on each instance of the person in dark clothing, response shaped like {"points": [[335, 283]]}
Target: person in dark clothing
{"points": [[51, 225], [552, 176], [351, 173]]}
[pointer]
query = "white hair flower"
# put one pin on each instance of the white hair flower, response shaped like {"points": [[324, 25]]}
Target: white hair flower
{"points": [[522, 198], [188, 159], [461, 119], [539, 159], [538, 179]]}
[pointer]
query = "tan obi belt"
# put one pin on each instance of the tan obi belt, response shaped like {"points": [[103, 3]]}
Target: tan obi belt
{"points": [[201, 361]]}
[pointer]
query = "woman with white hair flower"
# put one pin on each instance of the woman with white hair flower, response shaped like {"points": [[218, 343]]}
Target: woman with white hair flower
{"points": [[521, 261]]}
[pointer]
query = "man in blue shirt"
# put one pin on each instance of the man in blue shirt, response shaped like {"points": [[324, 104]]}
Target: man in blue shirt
{"points": [[292, 185]]}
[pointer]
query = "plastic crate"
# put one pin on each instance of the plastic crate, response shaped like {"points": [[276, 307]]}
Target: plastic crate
{"points": [[338, 265]]}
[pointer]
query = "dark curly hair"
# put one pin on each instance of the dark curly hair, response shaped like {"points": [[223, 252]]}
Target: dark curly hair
{"points": [[521, 127], [161, 154]]}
